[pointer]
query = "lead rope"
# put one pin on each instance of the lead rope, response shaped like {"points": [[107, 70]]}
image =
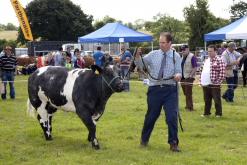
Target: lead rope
{"points": [[109, 84]]}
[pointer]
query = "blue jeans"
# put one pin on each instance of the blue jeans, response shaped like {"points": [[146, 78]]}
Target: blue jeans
{"points": [[229, 93], [126, 81], [156, 98], [8, 77]]}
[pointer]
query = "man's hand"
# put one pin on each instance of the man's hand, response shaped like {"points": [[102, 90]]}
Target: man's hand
{"points": [[177, 77], [15, 73], [236, 62]]}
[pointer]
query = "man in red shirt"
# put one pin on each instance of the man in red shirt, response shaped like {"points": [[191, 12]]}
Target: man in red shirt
{"points": [[212, 73]]}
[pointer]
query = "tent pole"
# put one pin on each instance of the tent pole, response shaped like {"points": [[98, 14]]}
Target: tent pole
{"points": [[205, 46], [109, 48], [152, 45]]}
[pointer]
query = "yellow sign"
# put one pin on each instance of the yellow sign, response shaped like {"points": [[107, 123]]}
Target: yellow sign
{"points": [[21, 15]]}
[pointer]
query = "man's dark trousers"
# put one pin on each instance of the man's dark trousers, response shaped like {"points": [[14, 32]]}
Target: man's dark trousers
{"points": [[156, 98], [232, 83], [209, 92]]}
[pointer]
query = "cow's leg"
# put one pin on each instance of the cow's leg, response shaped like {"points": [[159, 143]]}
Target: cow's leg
{"points": [[85, 116], [51, 111], [45, 120], [95, 119]]}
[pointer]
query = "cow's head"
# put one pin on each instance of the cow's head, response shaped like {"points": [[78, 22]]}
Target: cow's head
{"points": [[110, 75]]}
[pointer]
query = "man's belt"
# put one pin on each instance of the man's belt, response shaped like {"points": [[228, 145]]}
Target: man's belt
{"points": [[7, 71], [165, 85]]}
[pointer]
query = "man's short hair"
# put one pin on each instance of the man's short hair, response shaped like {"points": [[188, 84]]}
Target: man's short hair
{"points": [[212, 46], [68, 47], [98, 48], [167, 35], [60, 48]]}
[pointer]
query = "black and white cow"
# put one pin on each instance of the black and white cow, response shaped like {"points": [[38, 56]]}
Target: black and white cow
{"points": [[82, 91]]}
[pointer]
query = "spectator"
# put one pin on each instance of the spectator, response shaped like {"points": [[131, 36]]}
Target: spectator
{"points": [[162, 63], [25, 69], [58, 57], [221, 50], [52, 61], [243, 66], [232, 59], [62, 60], [33, 68], [74, 56], [68, 54], [124, 60], [68, 64], [106, 58], [7, 63], [2, 53], [189, 67], [78, 63], [212, 73], [97, 56], [202, 54], [41, 60]]}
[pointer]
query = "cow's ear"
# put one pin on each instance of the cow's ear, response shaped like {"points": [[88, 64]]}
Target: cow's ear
{"points": [[96, 69]]}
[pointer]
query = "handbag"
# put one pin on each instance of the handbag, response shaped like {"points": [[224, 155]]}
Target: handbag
{"points": [[2, 89]]}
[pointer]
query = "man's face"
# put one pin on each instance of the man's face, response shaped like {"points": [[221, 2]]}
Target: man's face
{"points": [[222, 46], [69, 49], [230, 49], [8, 51], [164, 45], [123, 48], [185, 51], [211, 53]]}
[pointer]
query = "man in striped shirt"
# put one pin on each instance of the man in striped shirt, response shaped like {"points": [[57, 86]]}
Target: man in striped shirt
{"points": [[124, 60], [7, 63]]}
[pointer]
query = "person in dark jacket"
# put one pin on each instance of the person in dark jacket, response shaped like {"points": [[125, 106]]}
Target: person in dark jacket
{"points": [[106, 58], [52, 61]]}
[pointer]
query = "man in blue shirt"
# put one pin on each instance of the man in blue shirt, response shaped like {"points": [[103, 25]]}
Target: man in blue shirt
{"points": [[97, 56], [58, 57], [162, 93]]}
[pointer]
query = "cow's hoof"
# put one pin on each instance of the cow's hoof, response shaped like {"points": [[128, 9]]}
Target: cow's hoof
{"points": [[89, 139], [96, 147], [49, 138]]}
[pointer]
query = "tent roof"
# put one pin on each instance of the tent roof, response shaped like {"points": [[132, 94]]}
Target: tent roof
{"points": [[235, 30], [111, 32]]}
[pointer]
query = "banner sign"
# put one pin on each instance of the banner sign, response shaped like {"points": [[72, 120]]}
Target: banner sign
{"points": [[21, 15]]}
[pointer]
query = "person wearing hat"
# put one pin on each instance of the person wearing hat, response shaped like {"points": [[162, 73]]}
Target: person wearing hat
{"points": [[231, 59], [7, 63], [189, 67]]}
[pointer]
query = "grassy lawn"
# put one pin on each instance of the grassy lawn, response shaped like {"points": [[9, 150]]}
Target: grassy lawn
{"points": [[8, 35], [205, 140]]}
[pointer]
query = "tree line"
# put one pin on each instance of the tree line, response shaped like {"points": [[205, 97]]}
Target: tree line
{"points": [[62, 20], [8, 27]]}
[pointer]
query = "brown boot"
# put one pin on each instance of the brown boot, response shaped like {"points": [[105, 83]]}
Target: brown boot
{"points": [[143, 144], [174, 146]]}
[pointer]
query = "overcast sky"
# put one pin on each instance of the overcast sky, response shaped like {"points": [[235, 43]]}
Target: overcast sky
{"points": [[126, 10]]}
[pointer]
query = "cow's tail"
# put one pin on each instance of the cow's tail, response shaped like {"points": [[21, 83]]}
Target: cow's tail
{"points": [[30, 109]]}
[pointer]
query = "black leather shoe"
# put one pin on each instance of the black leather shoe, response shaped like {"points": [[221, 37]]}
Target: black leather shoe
{"points": [[174, 146]]}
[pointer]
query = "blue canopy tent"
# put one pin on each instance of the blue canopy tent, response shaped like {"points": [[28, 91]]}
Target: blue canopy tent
{"points": [[235, 30], [112, 32]]}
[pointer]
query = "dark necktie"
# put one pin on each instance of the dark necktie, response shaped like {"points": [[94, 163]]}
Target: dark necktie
{"points": [[160, 75]]}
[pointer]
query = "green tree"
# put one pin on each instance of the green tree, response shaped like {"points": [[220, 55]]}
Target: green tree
{"points": [[165, 23], [108, 19], [99, 24], [119, 21], [129, 25], [139, 24], [56, 20], [10, 26], [2, 27], [238, 10], [4, 43], [147, 25]]}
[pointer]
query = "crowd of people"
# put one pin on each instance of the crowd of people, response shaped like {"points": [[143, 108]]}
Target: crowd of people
{"points": [[163, 63]]}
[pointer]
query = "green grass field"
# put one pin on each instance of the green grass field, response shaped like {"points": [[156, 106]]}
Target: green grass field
{"points": [[8, 35], [205, 140]]}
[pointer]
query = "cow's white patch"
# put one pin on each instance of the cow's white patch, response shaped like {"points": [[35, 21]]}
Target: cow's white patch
{"points": [[52, 78], [68, 90], [41, 110], [42, 70], [111, 66], [95, 141], [95, 117]]}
